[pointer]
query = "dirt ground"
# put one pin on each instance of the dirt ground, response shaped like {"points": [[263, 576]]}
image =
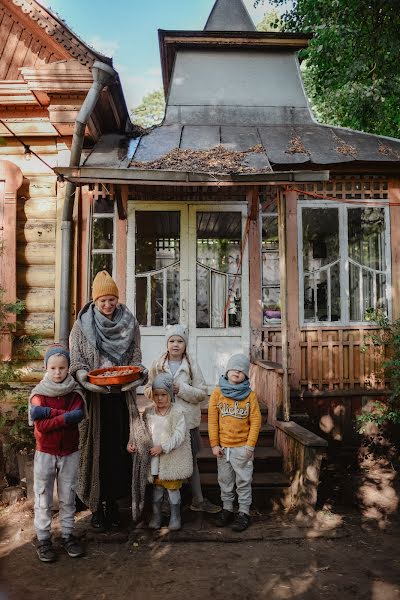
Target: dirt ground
{"points": [[332, 556]]}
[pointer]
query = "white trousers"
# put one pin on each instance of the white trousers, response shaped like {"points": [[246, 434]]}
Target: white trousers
{"points": [[48, 468], [235, 468]]}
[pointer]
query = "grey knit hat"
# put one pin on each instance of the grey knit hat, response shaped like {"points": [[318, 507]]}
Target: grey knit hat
{"points": [[164, 381], [54, 350], [238, 362], [177, 330]]}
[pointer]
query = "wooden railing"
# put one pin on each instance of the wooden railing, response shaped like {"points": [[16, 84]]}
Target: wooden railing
{"points": [[266, 380]]}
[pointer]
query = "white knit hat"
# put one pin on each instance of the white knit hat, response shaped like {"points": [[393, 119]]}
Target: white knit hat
{"points": [[238, 362], [178, 330]]}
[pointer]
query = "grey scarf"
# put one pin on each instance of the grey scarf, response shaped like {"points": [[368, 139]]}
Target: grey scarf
{"points": [[46, 387], [113, 338], [140, 436]]}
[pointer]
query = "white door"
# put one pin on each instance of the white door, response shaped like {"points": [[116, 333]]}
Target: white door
{"points": [[184, 266]]}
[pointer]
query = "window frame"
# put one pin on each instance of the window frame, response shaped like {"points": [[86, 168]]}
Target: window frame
{"points": [[342, 208], [93, 251], [276, 321]]}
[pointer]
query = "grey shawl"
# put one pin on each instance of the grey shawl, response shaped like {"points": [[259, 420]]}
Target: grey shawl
{"points": [[85, 355], [140, 437]]}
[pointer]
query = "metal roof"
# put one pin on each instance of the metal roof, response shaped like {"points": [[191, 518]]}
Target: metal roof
{"points": [[229, 15]]}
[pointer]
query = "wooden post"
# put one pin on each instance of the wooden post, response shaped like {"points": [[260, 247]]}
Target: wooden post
{"points": [[292, 270], [121, 250], [394, 196], [284, 311], [255, 299]]}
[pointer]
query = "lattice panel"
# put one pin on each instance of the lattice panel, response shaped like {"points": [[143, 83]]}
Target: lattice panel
{"points": [[357, 188]]}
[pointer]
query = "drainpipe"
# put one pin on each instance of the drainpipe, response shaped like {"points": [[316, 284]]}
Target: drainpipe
{"points": [[103, 75]]}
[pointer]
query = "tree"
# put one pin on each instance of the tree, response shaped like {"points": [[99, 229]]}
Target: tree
{"points": [[271, 22], [351, 69], [151, 111]]}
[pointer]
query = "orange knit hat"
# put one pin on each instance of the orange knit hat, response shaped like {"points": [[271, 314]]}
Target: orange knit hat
{"points": [[104, 285]]}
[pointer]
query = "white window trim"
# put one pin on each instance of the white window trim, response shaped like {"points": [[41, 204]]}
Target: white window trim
{"points": [[343, 261]]}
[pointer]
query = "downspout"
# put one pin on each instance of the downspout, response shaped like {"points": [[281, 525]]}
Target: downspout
{"points": [[103, 75]]}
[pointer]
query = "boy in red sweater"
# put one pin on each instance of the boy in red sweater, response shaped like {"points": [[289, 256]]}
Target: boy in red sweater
{"points": [[56, 408]]}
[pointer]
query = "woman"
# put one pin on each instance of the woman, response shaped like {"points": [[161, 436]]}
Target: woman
{"points": [[106, 334]]}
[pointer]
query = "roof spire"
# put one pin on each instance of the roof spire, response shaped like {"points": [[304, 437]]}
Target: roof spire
{"points": [[229, 15]]}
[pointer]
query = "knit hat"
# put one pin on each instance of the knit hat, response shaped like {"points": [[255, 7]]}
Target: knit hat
{"points": [[164, 381], [177, 330], [104, 285], [238, 362], [56, 349]]}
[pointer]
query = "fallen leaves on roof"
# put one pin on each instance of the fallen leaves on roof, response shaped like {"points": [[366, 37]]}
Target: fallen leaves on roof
{"points": [[388, 151], [217, 161], [296, 146]]}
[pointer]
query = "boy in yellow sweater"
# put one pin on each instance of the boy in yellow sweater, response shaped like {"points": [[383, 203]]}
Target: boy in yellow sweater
{"points": [[234, 421]]}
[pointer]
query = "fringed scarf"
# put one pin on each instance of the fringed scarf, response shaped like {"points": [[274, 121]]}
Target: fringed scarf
{"points": [[140, 437]]}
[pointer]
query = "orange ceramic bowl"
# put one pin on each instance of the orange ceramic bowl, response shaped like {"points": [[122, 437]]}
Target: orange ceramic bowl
{"points": [[117, 375]]}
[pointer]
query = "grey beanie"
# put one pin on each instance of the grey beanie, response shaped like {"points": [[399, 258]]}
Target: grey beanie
{"points": [[54, 350], [164, 381], [238, 362], [177, 330]]}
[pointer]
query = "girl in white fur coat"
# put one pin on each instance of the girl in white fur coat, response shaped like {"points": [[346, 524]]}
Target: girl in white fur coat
{"points": [[171, 456], [190, 391]]}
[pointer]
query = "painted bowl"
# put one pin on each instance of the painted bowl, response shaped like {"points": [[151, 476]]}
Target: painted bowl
{"points": [[114, 375]]}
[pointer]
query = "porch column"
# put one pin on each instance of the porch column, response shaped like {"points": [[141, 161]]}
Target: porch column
{"points": [[284, 303], [255, 296]]}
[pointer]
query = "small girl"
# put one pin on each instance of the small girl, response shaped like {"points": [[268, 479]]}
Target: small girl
{"points": [[171, 457], [189, 390]]}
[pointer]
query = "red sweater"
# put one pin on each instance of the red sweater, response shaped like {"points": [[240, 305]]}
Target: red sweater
{"points": [[52, 435]]}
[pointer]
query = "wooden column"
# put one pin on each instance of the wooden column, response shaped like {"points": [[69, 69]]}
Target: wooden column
{"points": [[255, 299], [284, 302], [292, 269], [121, 250], [10, 181], [394, 196]]}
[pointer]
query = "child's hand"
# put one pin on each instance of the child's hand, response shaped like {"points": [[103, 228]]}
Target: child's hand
{"points": [[217, 451], [156, 451], [249, 453], [176, 388], [131, 448]]}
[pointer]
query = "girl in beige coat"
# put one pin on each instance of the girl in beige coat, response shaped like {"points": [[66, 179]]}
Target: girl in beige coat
{"points": [[190, 391]]}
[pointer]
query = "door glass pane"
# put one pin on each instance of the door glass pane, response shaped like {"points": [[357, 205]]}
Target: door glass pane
{"points": [[102, 234], [157, 267], [366, 229], [219, 247], [320, 237]]}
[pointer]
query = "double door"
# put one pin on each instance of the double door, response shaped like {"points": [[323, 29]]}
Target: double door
{"points": [[187, 264]]}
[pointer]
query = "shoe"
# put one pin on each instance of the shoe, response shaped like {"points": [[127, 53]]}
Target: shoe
{"points": [[73, 546], [112, 516], [45, 551], [97, 521], [241, 522], [175, 519], [205, 506], [224, 518]]}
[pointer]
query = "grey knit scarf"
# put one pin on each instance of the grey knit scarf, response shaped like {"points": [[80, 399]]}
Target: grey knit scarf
{"points": [[113, 338], [46, 387]]}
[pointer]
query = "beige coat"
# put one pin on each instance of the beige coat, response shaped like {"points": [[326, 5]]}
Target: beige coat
{"points": [[192, 387]]}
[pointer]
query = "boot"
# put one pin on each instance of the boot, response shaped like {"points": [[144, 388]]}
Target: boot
{"points": [[158, 494], [175, 519]]}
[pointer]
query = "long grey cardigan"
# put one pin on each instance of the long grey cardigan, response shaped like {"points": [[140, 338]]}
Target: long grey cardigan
{"points": [[85, 356]]}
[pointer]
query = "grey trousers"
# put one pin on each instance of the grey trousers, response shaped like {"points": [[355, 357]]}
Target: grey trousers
{"points": [[48, 468], [235, 468]]}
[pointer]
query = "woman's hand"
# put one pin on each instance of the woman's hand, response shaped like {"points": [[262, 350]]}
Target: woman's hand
{"points": [[131, 448], [81, 377], [156, 451], [217, 451], [176, 388]]}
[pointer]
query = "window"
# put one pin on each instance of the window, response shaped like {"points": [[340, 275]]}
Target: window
{"points": [[270, 263], [103, 240], [343, 262]]}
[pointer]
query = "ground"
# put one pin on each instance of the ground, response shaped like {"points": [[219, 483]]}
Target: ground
{"points": [[332, 556]]}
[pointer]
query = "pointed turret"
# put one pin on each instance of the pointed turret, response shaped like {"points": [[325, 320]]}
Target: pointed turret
{"points": [[229, 15]]}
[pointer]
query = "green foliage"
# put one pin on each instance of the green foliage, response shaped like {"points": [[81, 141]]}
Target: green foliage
{"points": [[388, 410], [271, 22], [151, 111], [351, 68], [14, 425]]}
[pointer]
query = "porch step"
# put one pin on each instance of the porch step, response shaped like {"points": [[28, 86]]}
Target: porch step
{"points": [[266, 460], [261, 481]]}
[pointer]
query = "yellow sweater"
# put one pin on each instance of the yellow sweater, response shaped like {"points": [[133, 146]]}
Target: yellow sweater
{"points": [[233, 423]]}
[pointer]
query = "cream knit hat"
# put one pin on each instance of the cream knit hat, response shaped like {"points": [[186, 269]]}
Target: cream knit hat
{"points": [[104, 285], [176, 330]]}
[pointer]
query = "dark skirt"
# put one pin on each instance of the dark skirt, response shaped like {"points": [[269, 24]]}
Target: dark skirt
{"points": [[195, 440], [115, 460]]}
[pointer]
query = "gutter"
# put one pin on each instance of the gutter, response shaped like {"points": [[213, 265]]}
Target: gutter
{"points": [[103, 75]]}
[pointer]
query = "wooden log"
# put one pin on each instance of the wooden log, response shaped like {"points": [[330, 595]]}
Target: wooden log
{"points": [[36, 254], [36, 231], [12, 495], [39, 186], [36, 276], [22, 348], [37, 299], [36, 323], [30, 371], [36, 208]]}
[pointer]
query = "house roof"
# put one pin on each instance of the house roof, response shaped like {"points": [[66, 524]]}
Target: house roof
{"points": [[229, 15]]}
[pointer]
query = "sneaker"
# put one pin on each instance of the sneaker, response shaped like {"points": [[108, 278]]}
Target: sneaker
{"points": [[224, 518], [73, 546], [241, 522], [45, 551], [205, 506]]}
